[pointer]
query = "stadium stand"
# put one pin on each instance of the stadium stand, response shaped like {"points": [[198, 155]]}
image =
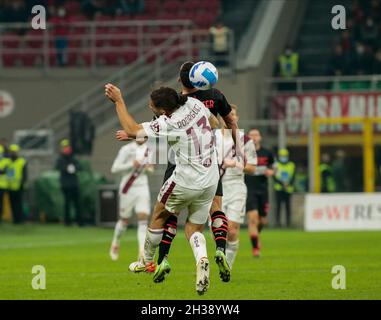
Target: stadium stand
{"points": [[317, 29], [73, 28], [117, 45], [238, 15], [354, 51]]}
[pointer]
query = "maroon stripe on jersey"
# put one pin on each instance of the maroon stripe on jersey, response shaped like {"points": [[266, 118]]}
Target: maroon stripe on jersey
{"points": [[129, 183], [167, 193], [136, 173]]}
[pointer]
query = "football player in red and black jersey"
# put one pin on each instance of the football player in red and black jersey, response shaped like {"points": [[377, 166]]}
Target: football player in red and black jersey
{"points": [[257, 204]]}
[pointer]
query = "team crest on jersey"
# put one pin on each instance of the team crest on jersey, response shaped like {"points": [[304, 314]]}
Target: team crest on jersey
{"points": [[155, 126]]}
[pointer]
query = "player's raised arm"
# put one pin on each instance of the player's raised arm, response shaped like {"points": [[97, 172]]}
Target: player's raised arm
{"points": [[130, 126]]}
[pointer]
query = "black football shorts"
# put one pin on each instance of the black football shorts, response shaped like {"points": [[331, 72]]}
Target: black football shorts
{"points": [[258, 202]]}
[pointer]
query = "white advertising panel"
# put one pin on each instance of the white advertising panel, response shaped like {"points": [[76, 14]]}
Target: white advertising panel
{"points": [[343, 211]]}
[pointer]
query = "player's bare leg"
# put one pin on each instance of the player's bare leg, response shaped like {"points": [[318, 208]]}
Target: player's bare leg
{"points": [[155, 231], [152, 240], [253, 222], [263, 221], [193, 233], [219, 224], [216, 204], [233, 242], [141, 232], [120, 228]]}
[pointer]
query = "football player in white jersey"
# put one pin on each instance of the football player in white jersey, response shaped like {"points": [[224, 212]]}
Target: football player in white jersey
{"points": [[217, 104], [235, 191], [184, 123], [133, 163]]}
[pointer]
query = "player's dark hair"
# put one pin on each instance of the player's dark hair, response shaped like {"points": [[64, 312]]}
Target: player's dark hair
{"points": [[167, 99], [184, 74]]}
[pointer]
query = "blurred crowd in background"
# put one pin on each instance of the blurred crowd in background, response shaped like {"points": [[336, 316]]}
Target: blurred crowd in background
{"points": [[358, 49], [20, 10], [60, 12]]}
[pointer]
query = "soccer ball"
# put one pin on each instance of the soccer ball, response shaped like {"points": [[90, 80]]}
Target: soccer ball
{"points": [[203, 75]]}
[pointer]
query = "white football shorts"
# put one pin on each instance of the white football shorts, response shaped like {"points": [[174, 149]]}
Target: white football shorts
{"points": [[136, 199], [234, 200], [198, 202]]}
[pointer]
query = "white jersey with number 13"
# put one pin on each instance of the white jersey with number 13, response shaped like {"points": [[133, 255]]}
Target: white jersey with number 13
{"points": [[189, 134]]}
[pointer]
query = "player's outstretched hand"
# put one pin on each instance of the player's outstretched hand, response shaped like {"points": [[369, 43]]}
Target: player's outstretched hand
{"points": [[113, 93], [121, 135]]}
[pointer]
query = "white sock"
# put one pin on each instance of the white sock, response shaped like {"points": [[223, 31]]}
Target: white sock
{"points": [[152, 241], [231, 251], [120, 227], [142, 230], [198, 244]]}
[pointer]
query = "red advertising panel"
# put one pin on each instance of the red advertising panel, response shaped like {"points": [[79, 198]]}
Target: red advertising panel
{"points": [[299, 108]]}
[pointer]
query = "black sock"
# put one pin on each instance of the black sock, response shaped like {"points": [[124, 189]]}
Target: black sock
{"points": [[169, 233], [260, 227], [254, 241], [220, 229]]}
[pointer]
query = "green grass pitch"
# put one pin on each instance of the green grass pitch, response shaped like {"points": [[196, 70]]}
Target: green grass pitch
{"points": [[294, 265]]}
